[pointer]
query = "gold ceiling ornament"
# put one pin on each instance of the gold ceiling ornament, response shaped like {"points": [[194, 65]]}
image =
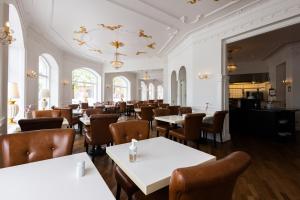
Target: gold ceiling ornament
{"points": [[140, 52], [6, 34], [117, 44], [142, 34], [152, 45], [112, 28], [96, 50], [80, 42], [82, 30], [195, 1]]}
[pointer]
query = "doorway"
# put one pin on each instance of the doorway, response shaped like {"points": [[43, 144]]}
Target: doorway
{"points": [[280, 86]]}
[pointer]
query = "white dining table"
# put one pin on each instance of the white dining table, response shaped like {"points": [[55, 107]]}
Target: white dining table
{"points": [[177, 119], [137, 110], [85, 120], [157, 158], [15, 127], [53, 179]]}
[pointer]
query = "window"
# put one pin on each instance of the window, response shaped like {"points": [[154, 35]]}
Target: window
{"points": [[121, 89], [44, 74], [151, 91], [143, 91], [160, 92], [85, 86]]}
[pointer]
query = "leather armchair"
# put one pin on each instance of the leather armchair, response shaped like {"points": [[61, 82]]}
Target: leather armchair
{"points": [[45, 113], [94, 111], [216, 127], [123, 132], [146, 114], [122, 107], [162, 128], [191, 130], [40, 123], [84, 105], [99, 133], [21, 148], [73, 106], [174, 110], [214, 180], [68, 114], [185, 110]]}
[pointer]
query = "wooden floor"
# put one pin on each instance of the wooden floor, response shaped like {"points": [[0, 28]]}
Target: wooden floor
{"points": [[274, 172]]}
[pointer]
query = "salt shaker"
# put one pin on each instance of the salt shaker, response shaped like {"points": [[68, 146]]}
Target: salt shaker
{"points": [[80, 169]]}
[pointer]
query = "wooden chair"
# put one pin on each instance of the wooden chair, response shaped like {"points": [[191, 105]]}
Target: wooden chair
{"points": [[45, 113], [185, 110], [216, 127], [162, 128], [174, 110], [191, 130], [40, 123], [146, 114]]}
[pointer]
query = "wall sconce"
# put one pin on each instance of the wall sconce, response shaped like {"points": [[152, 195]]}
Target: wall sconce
{"points": [[203, 76], [32, 74], [65, 82], [6, 37], [287, 82], [107, 86]]}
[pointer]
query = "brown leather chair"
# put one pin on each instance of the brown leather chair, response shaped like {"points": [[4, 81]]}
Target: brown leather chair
{"points": [[93, 111], [40, 123], [185, 110], [123, 132], [68, 114], [174, 110], [45, 113], [73, 106], [216, 127], [21, 148], [214, 180], [99, 133], [84, 105], [122, 107], [146, 114], [163, 105], [162, 128], [191, 130]]}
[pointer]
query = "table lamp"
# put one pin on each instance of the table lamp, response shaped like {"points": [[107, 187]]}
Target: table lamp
{"points": [[44, 94], [13, 108]]}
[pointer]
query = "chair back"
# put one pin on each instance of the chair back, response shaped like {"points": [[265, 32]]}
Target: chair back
{"points": [[161, 112], [45, 113], [84, 105], [73, 106], [218, 121], [146, 113], [122, 107], [174, 110], [100, 133], [65, 113], [185, 110], [214, 180], [93, 111], [123, 132], [40, 123], [21, 148], [192, 125], [163, 105]]}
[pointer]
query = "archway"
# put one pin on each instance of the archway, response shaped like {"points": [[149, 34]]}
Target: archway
{"points": [[121, 89], [182, 86], [173, 88]]}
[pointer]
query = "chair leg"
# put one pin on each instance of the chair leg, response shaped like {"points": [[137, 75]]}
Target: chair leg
{"points": [[221, 138], [118, 194], [93, 153], [157, 133], [215, 140], [86, 148]]}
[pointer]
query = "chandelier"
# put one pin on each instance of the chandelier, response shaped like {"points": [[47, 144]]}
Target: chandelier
{"points": [[146, 76], [6, 37], [115, 34]]}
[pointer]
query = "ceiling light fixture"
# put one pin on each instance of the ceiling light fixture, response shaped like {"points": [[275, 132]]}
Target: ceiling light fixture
{"points": [[116, 63], [6, 35], [146, 76]]}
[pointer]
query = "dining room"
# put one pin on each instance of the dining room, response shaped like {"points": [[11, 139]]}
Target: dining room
{"points": [[137, 100]]}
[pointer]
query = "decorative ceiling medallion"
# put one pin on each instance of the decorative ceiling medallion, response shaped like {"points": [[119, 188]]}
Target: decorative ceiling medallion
{"points": [[82, 30], [140, 52], [142, 34], [152, 45], [112, 28]]}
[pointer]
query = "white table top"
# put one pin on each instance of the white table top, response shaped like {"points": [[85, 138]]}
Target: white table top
{"points": [[53, 179], [175, 119], [85, 121], [109, 106], [157, 158], [137, 110], [14, 128]]}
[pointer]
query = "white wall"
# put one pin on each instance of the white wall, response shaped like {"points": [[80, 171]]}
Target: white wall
{"points": [[203, 51]]}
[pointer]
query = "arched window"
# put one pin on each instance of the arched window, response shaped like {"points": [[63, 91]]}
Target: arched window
{"points": [[151, 91], [143, 91], [16, 59], [160, 92], [85, 86], [121, 89], [48, 78]]}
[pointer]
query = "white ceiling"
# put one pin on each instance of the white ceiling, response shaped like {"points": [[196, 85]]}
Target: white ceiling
{"points": [[167, 21]]}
